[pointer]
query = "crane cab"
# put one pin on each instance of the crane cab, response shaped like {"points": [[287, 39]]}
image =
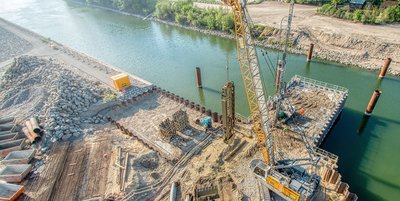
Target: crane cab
{"points": [[291, 184], [259, 168]]}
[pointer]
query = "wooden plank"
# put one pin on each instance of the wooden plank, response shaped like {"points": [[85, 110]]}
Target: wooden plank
{"points": [[42, 186]]}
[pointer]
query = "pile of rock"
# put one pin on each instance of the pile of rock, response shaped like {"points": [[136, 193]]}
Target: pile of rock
{"points": [[134, 91], [97, 119], [68, 94]]}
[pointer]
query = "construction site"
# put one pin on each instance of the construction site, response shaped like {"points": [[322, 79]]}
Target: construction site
{"points": [[74, 128]]}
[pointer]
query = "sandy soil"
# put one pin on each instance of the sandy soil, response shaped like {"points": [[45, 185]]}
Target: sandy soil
{"points": [[346, 42], [271, 13]]}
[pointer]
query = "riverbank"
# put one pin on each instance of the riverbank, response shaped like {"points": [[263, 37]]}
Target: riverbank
{"points": [[352, 46]]}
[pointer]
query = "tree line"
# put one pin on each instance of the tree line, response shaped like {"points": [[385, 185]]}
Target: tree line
{"points": [[373, 15], [140, 7], [185, 13]]}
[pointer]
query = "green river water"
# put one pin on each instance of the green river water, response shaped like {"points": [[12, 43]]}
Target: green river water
{"points": [[167, 56]]}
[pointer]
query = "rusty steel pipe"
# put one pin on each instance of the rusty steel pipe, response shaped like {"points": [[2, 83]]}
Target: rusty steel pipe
{"points": [[373, 101], [35, 125], [310, 51], [28, 135], [385, 67], [198, 77], [35, 136]]}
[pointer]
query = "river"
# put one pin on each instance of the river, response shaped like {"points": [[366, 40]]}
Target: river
{"points": [[167, 56]]}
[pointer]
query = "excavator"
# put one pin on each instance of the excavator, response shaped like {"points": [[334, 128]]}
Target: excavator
{"points": [[285, 177]]}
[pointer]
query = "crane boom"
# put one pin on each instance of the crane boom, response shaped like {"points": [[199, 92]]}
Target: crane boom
{"points": [[252, 78], [281, 176]]}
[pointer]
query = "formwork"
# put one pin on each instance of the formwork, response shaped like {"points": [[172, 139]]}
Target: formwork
{"points": [[19, 157], [10, 146], [321, 104], [10, 192], [15, 173]]}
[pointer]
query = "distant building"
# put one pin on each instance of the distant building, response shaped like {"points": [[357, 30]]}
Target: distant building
{"points": [[357, 4]]}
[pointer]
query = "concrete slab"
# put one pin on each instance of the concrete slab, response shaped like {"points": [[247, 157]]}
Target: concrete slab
{"points": [[15, 173], [10, 192], [10, 146], [8, 137], [19, 157]]}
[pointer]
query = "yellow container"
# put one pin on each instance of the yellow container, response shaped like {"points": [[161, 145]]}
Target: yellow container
{"points": [[121, 81]]}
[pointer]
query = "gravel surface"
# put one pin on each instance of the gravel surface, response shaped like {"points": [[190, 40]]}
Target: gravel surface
{"points": [[47, 89], [11, 45]]}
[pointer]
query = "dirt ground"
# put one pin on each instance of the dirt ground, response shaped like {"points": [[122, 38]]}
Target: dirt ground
{"points": [[271, 13], [342, 41], [144, 117]]}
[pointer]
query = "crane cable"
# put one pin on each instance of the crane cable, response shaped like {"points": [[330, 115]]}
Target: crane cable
{"points": [[270, 65], [264, 52]]}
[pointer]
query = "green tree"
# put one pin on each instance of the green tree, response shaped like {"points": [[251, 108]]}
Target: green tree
{"points": [[358, 14], [337, 2]]}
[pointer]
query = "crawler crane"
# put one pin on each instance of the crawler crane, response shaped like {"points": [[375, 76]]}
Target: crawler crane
{"points": [[286, 177]]}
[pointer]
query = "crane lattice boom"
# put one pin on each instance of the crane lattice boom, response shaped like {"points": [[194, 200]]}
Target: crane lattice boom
{"points": [[252, 78]]}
